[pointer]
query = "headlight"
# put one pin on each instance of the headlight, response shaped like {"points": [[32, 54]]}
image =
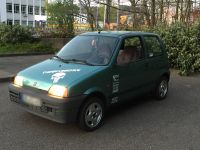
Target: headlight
{"points": [[18, 81], [58, 91]]}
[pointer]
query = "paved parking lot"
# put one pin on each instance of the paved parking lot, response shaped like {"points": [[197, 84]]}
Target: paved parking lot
{"points": [[142, 124], [17, 63]]}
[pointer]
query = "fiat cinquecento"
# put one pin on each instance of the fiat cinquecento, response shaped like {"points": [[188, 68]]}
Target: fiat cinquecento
{"points": [[90, 73]]}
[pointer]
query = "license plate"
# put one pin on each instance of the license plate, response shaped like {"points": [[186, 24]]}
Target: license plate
{"points": [[29, 100]]}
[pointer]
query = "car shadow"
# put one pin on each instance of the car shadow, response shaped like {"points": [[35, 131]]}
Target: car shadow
{"points": [[127, 105], [115, 111]]}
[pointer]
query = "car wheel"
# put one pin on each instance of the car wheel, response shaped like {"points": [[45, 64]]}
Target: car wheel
{"points": [[161, 89], [91, 114]]}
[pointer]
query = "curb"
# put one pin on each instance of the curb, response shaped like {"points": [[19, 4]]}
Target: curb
{"points": [[25, 54]]}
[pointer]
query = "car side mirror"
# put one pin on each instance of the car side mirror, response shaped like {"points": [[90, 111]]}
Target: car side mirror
{"points": [[150, 54]]}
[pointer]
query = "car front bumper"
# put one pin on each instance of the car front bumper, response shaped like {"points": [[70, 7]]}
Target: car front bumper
{"points": [[58, 110]]}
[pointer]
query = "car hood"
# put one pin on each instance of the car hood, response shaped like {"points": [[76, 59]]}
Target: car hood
{"points": [[43, 75]]}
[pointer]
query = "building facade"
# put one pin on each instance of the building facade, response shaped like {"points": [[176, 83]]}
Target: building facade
{"points": [[23, 12]]}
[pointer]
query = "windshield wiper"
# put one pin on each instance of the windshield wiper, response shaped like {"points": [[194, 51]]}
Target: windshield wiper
{"points": [[73, 60], [57, 57], [79, 61]]}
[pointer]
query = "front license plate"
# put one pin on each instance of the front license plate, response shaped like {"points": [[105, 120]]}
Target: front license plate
{"points": [[29, 100]]}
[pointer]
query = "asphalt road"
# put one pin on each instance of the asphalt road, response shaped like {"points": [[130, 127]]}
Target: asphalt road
{"points": [[17, 63], [144, 124]]}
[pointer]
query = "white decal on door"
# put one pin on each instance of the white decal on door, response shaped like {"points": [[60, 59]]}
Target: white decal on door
{"points": [[115, 83]]}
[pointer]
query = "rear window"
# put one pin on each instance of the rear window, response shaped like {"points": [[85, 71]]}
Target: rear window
{"points": [[153, 45]]}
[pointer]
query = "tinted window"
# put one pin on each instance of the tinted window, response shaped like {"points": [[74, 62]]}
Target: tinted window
{"points": [[153, 45]]}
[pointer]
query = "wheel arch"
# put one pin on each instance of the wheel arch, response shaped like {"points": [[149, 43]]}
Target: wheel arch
{"points": [[166, 74], [97, 94]]}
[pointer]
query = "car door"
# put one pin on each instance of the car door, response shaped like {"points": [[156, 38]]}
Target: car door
{"points": [[155, 56], [130, 78]]}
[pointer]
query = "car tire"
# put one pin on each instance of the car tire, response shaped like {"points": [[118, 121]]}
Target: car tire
{"points": [[91, 114], [161, 90]]}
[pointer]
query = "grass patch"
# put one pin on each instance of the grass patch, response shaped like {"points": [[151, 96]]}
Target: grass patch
{"points": [[23, 48]]}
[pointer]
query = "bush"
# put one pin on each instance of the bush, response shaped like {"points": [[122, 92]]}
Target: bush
{"points": [[182, 44], [17, 39], [36, 47], [15, 34]]}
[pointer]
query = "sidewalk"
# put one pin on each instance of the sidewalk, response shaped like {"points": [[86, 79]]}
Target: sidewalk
{"points": [[5, 76]]}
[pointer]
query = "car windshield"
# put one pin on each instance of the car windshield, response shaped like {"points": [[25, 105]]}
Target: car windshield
{"points": [[87, 49]]}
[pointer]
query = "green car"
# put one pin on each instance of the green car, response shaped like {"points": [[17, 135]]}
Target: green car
{"points": [[90, 73]]}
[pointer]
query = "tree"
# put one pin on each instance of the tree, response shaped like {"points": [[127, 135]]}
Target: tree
{"points": [[62, 14], [107, 15], [153, 16], [146, 12], [133, 6], [113, 13], [86, 4], [161, 10]]}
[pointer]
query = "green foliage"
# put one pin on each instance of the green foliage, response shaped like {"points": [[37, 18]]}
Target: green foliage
{"points": [[183, 46], [15, 34], [17, 39], [36, 47], [61, 15]]}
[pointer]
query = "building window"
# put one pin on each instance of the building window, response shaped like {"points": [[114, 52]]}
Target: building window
{"points": [[24, 22], [9, 7], [30, 10], [16, 8], [43, 11], [37, 10], [37, 23], [43, 24], [9, 22], [16, 22], [30, 23], [23, 9]]}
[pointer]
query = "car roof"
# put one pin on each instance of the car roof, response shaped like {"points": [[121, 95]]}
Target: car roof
{"points": [[118, 33]]}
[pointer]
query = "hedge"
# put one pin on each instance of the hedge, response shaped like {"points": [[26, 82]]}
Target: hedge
{"points": [[182, 44]]}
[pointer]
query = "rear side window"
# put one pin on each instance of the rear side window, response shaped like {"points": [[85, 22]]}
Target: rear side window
{"points": [[153, 45]]}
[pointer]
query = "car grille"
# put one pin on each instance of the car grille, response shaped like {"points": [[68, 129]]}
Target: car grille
{"points": [[14, 96]]}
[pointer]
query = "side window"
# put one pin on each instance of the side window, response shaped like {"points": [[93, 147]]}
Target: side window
{"points": [[131, 50], [153, 45]]}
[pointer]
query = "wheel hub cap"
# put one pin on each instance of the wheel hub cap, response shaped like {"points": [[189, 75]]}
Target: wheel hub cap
{"points": [[93, 115], [163, 88]]}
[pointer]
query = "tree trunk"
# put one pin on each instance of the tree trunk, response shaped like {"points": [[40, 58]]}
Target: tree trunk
{"points": [[161, 11], [177, 12], [133, 5], [91, 21], [188, 12], [181, 12], [146, 12], [153, 8], [107, 16]]}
